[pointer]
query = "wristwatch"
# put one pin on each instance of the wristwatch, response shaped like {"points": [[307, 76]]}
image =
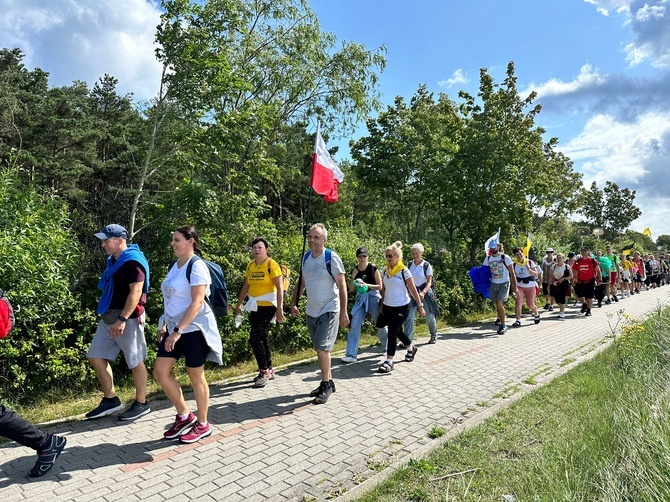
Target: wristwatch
{"points": [[122, 319], [177, 330]]}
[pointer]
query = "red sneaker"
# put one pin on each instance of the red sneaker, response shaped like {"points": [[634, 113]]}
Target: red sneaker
{"points": [[180, 426], [198, 431]]}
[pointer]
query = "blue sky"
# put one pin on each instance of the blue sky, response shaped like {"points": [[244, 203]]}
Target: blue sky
{"points": [[601, 67]]}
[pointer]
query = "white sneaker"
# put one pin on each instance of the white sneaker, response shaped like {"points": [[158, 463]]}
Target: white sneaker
{"points": [[349, 359], [561, 315]]}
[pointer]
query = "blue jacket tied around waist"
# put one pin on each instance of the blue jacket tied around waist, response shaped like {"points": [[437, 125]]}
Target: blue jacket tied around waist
{"points": [[106, 283]]}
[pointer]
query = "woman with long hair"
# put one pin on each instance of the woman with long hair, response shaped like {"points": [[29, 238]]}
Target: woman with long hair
{"points": [[187, 329]]}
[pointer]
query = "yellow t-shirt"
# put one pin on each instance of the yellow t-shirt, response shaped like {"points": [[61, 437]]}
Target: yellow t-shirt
{"points": [[259, 278], [626, 265]]}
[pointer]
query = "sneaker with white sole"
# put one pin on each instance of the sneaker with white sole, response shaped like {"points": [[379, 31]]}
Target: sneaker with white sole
{"points": [[107, 406], [349, 359], [197, 432], [136, 410], [180, 426]]}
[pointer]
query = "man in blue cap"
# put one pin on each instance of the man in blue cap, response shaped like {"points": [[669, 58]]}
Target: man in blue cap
{"points": [[124, 285]]}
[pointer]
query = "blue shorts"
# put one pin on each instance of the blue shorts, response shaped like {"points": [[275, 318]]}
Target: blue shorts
{"points": [[191, 346]]}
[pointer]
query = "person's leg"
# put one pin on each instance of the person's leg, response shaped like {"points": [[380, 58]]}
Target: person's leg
{"points": [[103, 371], [500, 308], [354, 336], [408, 327], [323, 356], [200, 390], [140, 379], [258, 335], [382, 333], [518, 304], [163, 375], [13, 426], [432, 324]]}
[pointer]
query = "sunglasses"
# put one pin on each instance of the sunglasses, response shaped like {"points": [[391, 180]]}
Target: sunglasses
{"points": [[390, 255]]}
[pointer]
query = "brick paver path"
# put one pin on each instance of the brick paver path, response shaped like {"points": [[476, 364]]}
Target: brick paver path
{"points": [[273, 444]]}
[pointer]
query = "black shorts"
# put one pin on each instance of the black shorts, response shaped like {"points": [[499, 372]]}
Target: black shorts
{"points": [[585, 289], [191, 346], [545, 288]]}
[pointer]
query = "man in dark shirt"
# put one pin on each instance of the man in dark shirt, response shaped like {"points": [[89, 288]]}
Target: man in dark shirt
{"points": [[124, 286]]}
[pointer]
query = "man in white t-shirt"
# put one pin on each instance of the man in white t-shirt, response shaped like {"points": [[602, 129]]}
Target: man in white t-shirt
{"points": [[323, 280], [502, 274]]}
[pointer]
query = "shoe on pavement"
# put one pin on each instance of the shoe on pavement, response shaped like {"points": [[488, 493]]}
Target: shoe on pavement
{"points": [[386, 367], [608, 301], [325, 390], [516, 323], [546, 306], [561, 315], [615, 298], [497, 322], [106, 407], [583, 308], [46, 457], [136, 410], [409, 357], [197, 432], [501, 329], [551, 307], [316, 391], [432, 340], [180, 426], [349, 359], [588, 313], [537, 318]]}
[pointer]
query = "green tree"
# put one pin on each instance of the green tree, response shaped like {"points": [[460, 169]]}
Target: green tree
{"points": [[663, 241], [611, 209]]}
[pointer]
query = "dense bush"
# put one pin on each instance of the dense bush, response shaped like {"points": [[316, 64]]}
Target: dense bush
{"points": [[40, 262]]}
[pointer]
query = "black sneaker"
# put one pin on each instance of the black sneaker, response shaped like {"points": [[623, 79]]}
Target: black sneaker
{"points": [[136, 410], [615, 298], [588, 313], [106, 407], [546, 306], [46, 457], [432, 340], [316, 391], [583, 308], [497, 322], [537, 318], [325, 390]]}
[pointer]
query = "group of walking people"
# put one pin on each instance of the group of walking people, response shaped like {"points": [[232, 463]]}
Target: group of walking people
{"points": [[558, 277], [188, 329]]}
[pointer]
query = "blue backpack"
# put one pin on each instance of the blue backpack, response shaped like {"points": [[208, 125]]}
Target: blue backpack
{"points": [[218, 290], [328, 253]]}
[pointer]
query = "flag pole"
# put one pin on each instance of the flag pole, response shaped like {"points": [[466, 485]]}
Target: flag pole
{"points": [[305, 226]]}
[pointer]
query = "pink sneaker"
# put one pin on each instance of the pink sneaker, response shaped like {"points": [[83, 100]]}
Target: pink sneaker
{"points": [[198, 431], [179, 426]]}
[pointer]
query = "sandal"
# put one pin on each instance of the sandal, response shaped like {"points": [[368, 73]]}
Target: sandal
{"points": [[386, 367], [516, 324], [409, 357]]}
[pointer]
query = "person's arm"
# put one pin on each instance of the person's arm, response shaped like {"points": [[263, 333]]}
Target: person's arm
{"points": [[378, 281], [197, 300], [598, 273], [278, 282], [512, 278], [415, 294], [342, 291], [132, 300], [571, 277], [243, 295], [297, 293], [353, 278]]}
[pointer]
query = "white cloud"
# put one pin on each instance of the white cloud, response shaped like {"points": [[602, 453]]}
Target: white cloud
{"points": [[587, 78], [74, 40], [632, 154], [605, 6], [458, 77]]}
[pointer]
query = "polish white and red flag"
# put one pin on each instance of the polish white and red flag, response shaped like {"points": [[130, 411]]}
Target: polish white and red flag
{"points": [[326, 175]]}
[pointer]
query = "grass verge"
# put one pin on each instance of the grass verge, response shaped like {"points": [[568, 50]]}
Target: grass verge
{"points": [[599, 432]]}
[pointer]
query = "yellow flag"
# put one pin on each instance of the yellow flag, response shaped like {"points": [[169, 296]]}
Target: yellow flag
{"points": [[647, 232], [526, 250]]}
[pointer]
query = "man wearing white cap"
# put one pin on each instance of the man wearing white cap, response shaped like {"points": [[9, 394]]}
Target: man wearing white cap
{"points": [[124, 285]]}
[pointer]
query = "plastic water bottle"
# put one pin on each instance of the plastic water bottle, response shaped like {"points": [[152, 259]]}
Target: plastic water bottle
{"points": [[238, 320]]}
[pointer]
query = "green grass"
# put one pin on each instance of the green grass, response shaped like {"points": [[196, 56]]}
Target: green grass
{"points": [[599, 432]]}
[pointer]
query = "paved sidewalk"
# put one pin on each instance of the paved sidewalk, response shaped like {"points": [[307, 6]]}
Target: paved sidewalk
{"points": [[273, 444]]}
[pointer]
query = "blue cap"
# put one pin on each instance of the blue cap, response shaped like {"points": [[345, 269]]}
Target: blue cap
{"points": [[112, 230]]}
